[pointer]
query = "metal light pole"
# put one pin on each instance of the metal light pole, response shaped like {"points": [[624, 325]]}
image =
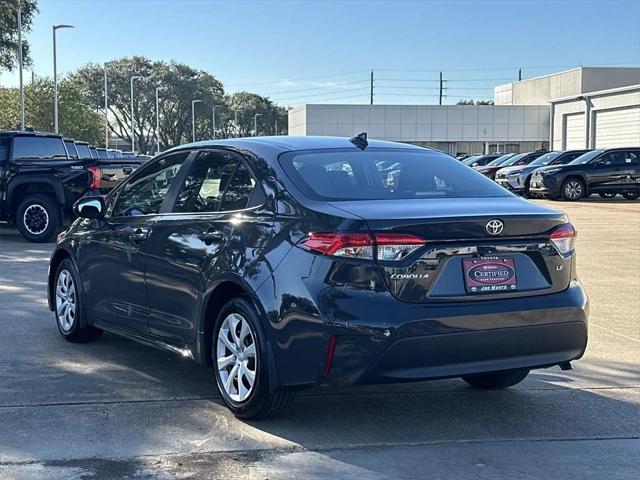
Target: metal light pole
{"points": [[275, 132], [20, 69], [213, 120], [255, 124], [133, 133], [158, 119], [55, 77], [193, 119], [237, 124]]}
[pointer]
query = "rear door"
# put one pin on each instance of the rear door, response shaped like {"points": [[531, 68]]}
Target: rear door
{"points": [[201, 238]]}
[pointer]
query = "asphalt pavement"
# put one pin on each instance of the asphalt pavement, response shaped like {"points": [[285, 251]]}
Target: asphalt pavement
{"points": [[116, 409]]}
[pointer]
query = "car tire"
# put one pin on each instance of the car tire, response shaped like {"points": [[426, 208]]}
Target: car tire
{"points": [[631, 195], [573, 189], [607, 194], [38, 218], [497, 380], [68, 307], [239, 351]]}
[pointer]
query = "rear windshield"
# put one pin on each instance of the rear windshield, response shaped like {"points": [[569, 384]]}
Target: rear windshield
{"points": [[38, 147], [83, 150], [380, 174]]}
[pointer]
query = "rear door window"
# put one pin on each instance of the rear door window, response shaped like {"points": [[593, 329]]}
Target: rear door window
{"points": [[38, 147], [218, 181]]}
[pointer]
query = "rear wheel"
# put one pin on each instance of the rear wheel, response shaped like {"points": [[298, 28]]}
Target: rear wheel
{"points": [[607, 194], [497, 380], [68, 306], [38, 218], [572, 189], [239, 352], [631, 195]]}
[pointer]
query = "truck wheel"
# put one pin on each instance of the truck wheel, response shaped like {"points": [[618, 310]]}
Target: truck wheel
{"points": [[572, 189], [497, 380], [631, 195], [38, 218]]}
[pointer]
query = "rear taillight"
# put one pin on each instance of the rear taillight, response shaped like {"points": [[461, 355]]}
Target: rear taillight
{"points": [[564, 237], [96, 173], [376, 246]]}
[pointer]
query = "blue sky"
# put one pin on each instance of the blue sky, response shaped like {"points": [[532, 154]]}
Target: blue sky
{"points": [[322, 51]]}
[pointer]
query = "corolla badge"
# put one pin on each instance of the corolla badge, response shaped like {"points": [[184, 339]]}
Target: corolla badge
{"points": [[494, 227]]}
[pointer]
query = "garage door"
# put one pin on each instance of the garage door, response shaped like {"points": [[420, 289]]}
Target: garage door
{"points": [[617, 128], [574, 131]]}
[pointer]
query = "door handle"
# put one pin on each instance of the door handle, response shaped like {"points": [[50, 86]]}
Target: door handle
{"points": [[211, 236], [139, 234]]}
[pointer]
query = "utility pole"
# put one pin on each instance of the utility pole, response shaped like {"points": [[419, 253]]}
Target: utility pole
{"points": [[519, 74], [20, 67], [193, 119], [440, 96], [371, 89], [133, 131], [158, 118], [275, 132]]}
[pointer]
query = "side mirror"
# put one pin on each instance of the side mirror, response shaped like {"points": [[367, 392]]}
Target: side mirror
{"points": [[89, 207]]}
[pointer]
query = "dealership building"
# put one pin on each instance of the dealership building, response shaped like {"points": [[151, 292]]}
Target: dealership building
{"points": [[590, 107]]}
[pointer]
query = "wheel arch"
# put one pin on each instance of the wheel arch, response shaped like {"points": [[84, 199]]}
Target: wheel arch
{"points": [[577, 176], [24, 186]]}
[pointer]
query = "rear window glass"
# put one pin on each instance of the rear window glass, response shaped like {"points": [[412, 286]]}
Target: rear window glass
{"points": [[378, 174], [83, 150], [102, 154], [38, 147]]}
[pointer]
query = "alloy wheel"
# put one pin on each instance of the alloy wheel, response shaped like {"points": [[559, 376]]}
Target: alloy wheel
{"points": [[65, 301], [236, 357], [573, 189], [35, 219]]}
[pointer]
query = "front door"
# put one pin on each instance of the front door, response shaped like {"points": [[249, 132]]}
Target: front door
{"points": [[609, 172], [196, 241], [114, 255]]}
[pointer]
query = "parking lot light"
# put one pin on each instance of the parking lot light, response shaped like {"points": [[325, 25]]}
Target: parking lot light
{"points": [[133, 133], [55, 77], [193, 119]]}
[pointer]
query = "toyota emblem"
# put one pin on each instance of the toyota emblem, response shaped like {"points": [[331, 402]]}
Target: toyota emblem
{"points": [[494, 227]]}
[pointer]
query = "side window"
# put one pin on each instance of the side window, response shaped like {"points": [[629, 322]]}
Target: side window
{"points": [[38, 147], [218, 181], [4, 149], [632, 157], [144, 194]]}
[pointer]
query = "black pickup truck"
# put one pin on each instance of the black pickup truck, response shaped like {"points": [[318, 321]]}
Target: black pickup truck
{"points": [[40, 180]]}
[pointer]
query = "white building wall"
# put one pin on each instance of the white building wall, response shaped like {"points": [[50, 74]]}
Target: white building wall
{"points": [[426, 123], [618, 99]]}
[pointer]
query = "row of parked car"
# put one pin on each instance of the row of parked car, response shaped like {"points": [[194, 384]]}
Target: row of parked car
{"points": [[43, 174], [569, 174]]}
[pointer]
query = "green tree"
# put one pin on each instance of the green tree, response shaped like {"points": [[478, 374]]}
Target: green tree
{"points": [[9, 31], [77, 119], [248, 105], [474, 102], [179, 83]]}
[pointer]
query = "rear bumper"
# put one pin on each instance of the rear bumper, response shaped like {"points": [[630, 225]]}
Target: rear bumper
{"points": [[419, 344]]}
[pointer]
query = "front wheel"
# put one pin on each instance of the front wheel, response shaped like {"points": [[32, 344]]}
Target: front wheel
{"points": [[572, 189], [239, 351], [497, 380], [631, 195], [68, 306], [38, 218]]}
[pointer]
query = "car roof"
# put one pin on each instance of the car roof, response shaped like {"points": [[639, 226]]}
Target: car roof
{"points": [[28, 133], [292, 143]]}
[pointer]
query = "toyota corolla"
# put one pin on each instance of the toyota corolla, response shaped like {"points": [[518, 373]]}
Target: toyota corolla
{"points": [[289, 262]]}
